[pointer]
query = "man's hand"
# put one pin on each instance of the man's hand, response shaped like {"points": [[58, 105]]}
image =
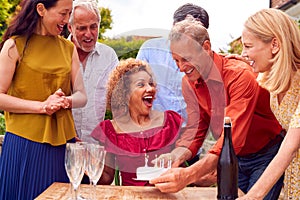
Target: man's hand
{"points": [[207, 180], [173, 180], [240, 57]]}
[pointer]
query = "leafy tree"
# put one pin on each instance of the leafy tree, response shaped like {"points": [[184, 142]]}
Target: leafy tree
{"points": [[236, 46], [2, 124], [106, 21], [7, 9]]}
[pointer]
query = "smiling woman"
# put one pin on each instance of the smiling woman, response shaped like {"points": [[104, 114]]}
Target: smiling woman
{"points": [[37, 93], [136, 131]]}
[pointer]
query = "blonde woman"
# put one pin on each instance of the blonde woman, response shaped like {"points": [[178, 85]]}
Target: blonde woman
{"points": [[271, 42]]}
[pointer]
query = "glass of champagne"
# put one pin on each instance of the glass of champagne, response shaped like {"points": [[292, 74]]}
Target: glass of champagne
{"points": [[95, 164], [74, 164]]}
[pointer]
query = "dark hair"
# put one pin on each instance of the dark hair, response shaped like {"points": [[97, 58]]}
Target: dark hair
{"points": [[25, 22], [197, 12]]}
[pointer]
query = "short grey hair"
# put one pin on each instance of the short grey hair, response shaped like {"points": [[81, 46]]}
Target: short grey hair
{"points": [[189, 27], [90, 5]]}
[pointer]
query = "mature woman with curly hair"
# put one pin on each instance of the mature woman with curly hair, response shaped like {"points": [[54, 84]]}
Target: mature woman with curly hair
{"points": [[136, 129]]}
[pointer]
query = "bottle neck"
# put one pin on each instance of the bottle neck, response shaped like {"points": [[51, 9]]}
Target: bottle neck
{"points": [[227, 131]]}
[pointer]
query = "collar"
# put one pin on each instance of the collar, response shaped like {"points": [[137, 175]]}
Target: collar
{"points": [[215, 73]]}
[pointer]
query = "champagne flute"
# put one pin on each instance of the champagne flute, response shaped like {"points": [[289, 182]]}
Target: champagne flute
{"points": [[95, 164], [84, 145], [74, 164]]}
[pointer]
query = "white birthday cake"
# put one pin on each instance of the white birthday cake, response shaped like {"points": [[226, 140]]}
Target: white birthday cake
{"points": [[148, 173]]}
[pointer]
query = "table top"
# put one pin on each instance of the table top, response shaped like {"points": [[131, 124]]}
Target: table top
{"points": [[61, 191]]}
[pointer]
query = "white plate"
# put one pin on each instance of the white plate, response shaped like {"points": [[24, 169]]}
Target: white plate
{"points": [[136, 179], [154, 171]]}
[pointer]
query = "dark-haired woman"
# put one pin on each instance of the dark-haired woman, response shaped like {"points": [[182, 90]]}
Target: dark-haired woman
{"points": [[39, 82]]}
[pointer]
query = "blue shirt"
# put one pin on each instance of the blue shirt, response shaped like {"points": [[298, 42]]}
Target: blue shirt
{"points": [[167, 75]]}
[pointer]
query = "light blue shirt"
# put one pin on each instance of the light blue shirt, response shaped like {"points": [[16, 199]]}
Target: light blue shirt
{"points": [[100, 62], [167, 75]]}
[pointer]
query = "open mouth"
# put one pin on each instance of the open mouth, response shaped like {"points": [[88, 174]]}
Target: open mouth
{"points": [[88, 40], [148, 100], [190, 71], [60, 27]]}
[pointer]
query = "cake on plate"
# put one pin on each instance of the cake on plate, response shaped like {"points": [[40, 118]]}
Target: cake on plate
{"points": [[148, 173]]}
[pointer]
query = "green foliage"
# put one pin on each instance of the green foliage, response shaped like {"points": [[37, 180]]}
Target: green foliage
{"points": [[2, 124], [6, 10], [106, 21], [108, 114], [124, 47], [236, 46]]}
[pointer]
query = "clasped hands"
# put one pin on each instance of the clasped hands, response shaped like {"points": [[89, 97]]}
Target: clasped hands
{"points": [[55, 102]]}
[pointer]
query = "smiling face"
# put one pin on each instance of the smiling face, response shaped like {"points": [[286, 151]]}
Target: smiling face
{"points": [[258, 52], [191, 58], [85, 28], [141, 93], [55, 18]]}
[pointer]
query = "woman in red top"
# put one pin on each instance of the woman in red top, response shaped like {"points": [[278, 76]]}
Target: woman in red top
{"points": [[136, 130]]}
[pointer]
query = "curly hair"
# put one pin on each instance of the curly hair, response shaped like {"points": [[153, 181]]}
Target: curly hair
{"points": [[118, 85]]}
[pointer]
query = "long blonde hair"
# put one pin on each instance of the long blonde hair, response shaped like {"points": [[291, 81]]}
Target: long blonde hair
{"points": [[273, 23]]}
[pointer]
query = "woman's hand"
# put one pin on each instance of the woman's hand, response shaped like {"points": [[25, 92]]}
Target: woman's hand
{"points": [[55, 102], [248, 198]]}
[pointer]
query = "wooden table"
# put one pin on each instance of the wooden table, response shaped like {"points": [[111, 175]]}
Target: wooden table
{"points": [[61, 191]]}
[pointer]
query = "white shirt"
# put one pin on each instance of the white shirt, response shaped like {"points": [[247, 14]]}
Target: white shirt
{"points": [[99, 64]]}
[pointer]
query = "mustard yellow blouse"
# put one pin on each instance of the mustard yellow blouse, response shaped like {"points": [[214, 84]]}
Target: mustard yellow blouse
{"points": [[288, 114], [45, 66]]}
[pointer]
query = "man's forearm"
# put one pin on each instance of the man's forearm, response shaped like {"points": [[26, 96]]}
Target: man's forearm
{"points": [[180, 155]]}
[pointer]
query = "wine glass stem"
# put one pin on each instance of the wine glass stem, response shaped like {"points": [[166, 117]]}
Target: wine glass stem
{"points": [[91, 188], [94, 191], [76, 193]]}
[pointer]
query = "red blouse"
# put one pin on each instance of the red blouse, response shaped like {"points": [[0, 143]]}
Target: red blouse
{"points": [[130, 148]]}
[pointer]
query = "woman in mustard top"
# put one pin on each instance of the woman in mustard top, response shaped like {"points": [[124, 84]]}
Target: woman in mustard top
{"points": [[40, 81]]}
